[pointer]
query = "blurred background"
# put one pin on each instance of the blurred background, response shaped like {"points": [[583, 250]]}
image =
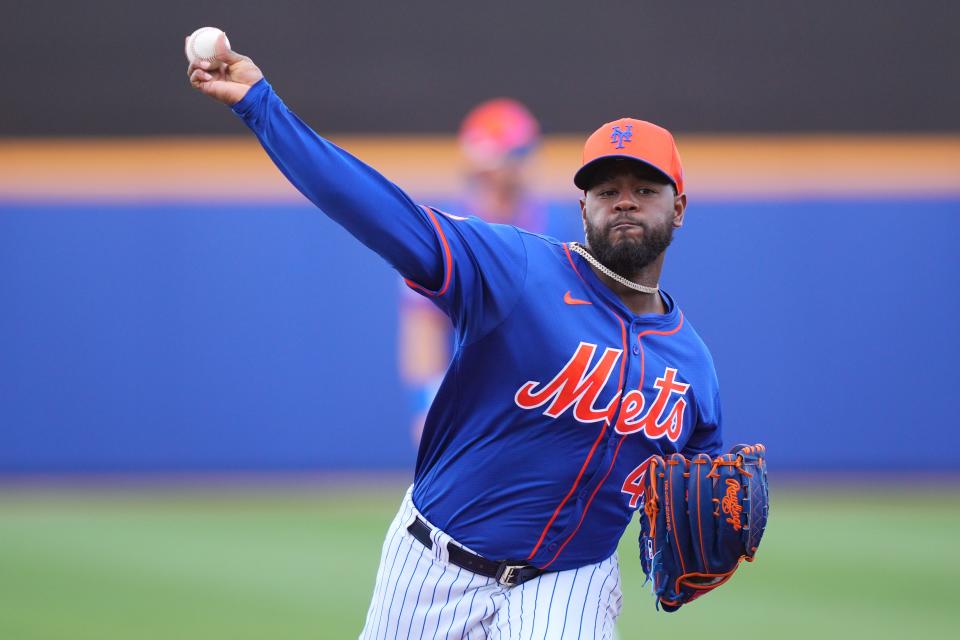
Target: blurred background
{"points": [[191, 355]]}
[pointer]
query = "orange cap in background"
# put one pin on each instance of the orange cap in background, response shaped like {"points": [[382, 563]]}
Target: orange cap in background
{"points": [[635, 140], [496, 131]]}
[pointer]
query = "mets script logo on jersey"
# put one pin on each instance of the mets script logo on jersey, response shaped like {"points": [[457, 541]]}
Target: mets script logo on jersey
{"points": [[619, 136], [578, 386]]}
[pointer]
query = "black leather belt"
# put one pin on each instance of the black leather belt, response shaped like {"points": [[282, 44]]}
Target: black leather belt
{"points": [[506, 573]]}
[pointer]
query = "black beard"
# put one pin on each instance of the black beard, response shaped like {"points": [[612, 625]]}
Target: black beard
{"points": [[629, 255]]}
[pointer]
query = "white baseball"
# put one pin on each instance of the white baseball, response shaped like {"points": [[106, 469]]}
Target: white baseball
{"points": [[200, 45]]}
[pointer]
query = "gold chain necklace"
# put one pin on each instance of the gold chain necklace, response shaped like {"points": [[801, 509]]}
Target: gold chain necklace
{"points": [[580, 249]]}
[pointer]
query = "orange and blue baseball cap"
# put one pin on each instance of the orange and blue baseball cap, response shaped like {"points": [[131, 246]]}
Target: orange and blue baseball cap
{"points": [[633, 140]]}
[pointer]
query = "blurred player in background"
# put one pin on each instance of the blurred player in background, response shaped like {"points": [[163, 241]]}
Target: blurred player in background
{"points": [[498, 140]]}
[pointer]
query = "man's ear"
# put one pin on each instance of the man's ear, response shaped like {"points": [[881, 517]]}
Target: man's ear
{"points": [[679, 208], [583, 213]]}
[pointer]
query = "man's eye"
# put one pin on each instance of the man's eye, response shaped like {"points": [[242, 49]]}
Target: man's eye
{"points": [[646, 191], [607, 193]]}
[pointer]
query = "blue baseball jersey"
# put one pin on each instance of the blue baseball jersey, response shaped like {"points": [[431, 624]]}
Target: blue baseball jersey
{"points": [[557, 394]]}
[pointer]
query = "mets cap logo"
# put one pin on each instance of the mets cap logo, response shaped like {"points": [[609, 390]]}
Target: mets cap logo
{"points": [[618, 136]]}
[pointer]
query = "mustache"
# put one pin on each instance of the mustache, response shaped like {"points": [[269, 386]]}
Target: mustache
{"points": [[627, 220]]}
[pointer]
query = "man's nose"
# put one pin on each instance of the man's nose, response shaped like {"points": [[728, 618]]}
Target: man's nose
{"points": [[626, 203]]}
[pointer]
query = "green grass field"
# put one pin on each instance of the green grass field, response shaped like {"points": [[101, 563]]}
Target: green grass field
{"points": [[300, 563]]}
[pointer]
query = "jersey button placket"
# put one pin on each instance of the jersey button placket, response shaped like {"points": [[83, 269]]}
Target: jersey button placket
{"points": [[614, 438]]}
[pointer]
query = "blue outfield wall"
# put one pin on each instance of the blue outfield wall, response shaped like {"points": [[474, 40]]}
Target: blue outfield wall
{"points": [[257, 336]]}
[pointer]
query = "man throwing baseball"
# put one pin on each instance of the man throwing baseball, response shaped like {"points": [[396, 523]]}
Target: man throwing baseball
{"points": [[571, 370]]}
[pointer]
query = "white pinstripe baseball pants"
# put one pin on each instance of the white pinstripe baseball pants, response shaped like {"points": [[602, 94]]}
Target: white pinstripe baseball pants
{"points": [[419, 594]]}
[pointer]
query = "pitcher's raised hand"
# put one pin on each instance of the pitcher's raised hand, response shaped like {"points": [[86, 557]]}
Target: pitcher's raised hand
{"points": [[230, 81]]}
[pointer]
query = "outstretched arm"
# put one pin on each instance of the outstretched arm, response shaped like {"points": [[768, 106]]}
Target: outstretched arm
{"points": [[356, 196]]}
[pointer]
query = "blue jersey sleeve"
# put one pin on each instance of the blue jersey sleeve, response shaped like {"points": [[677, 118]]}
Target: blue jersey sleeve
{"points": [[370, 207], [472, 270], [707, 434], [485, 267]]}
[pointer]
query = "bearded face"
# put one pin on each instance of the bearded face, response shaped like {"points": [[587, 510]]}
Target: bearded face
{"points": [[626, 253]]}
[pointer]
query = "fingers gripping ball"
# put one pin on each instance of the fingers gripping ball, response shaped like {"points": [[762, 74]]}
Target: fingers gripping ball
{"points": [[201, 45], [701, 518]]}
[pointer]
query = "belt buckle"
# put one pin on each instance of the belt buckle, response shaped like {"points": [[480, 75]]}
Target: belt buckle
{"points": [[508, 574]]}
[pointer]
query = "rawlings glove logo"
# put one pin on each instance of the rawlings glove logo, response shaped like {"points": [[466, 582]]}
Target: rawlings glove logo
{"points": [[730, 505]]}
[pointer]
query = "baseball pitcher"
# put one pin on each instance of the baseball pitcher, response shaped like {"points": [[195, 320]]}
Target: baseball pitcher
{"points": [[578, 394]]}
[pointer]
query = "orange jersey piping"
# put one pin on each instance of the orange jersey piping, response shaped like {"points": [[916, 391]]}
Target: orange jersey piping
{"points": [[447, 260]]}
